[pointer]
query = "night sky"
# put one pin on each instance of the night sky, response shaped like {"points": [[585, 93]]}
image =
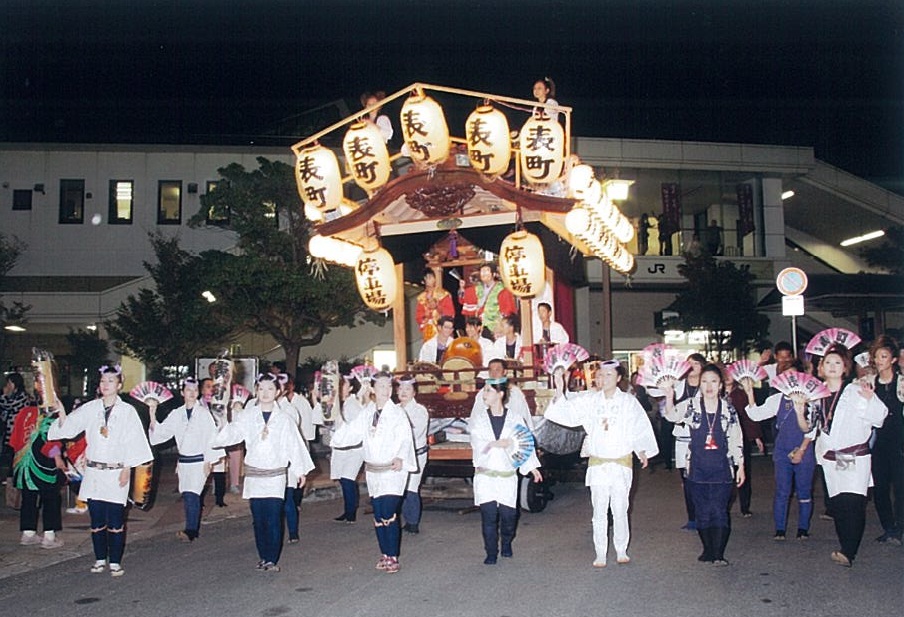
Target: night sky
{"points": [[826, 74]]}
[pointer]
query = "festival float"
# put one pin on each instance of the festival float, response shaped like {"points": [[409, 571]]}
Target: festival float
{"points": [[507, 191]]}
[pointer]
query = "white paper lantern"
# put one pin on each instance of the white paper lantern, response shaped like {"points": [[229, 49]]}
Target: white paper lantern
{"points": [[579, 180], [522, 265], [489, 144], [319, 180], [542, 146], [366, 155], [425, 130], [376, 278]]}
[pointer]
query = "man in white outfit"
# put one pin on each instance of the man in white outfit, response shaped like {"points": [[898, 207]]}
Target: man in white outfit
{"points": [[616, 426]]}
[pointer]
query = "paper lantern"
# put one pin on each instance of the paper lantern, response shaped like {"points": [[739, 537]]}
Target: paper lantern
{"points": [[334, 250], [489, 144], [366, 155], [319, 180], [521, 264], [579, 181], [424, 130], [542, 145], [577, 221], [376, 278]]}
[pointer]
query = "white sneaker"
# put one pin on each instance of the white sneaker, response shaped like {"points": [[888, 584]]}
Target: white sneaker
{"points": [[30, 540], [76, 510], [51, 542]]}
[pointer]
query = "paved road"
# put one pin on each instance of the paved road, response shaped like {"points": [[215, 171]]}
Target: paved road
{"points": [[330, 573]]}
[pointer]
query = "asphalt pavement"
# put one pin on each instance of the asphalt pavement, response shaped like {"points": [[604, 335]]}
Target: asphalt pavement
{"points": [[331, 571]]}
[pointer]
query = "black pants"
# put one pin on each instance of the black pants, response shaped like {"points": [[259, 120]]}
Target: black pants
{"points": [[219, 487], [498, 520], [49, 502], [888, 492], [745, 490], [849, 513]]}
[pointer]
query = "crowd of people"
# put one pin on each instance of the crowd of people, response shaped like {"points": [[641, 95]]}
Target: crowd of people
{"points": [[855, 435]]}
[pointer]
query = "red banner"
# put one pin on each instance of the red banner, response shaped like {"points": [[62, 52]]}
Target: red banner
{"points": [[745, 209]]}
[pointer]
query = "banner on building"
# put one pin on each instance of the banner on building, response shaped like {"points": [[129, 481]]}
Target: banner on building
{"points": [[745, 209], [671, 207]]}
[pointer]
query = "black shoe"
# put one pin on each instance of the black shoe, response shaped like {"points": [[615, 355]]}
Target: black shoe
{"points": [[506, 551], [779, 535], [411, 528], [490, 560], [341, 518], [803, 534]]}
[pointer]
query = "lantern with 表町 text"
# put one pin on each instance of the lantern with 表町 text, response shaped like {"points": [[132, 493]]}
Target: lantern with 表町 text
{"points": [[542, 145], [376, 277], [424, 130], [319, 181], [366, 155], [489, 144], [521, 264]]}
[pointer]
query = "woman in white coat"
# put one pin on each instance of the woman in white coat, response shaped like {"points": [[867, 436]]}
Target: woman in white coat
{"points": [[493, 435], [273, 445], [420, 423], [116, 443], [347, 443], [846, 419], [194, 429]]}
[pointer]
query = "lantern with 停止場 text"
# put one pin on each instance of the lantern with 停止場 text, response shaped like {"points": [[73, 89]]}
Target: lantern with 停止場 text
{"points": [[319, 181], [424, 130], [489, 144], [376, 277], [542, 145], [522, 265], [366, 155]]}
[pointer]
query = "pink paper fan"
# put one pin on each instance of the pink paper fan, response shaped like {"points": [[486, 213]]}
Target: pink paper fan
{"points": [[563, 355], [747, 369], [795, 382], [821, 341], [147, 390], [364, 372], [663, 369], [240, 394], [656, 350]]}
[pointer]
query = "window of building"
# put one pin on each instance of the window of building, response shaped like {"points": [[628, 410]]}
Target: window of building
{"points": [[169, 202], [121, 200], [72, 201], [22, 199], [216, 214]]}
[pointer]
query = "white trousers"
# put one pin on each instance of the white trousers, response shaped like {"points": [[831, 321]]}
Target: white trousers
{"points": [[612, 493]]}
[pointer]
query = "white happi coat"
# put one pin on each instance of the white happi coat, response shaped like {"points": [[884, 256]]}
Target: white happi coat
{"points": [[391, 438], [347, 442], [126, 445], [517, 404], [853, 421], [493, 486], [280, 448], [305, 415], [193, 437], [420, 421], [615, 427]]}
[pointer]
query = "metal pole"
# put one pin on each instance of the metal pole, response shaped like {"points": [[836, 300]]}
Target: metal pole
{"points": [[794, 333]]}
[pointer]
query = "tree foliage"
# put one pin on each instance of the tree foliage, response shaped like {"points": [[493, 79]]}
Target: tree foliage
{"points": [[720, 298], [268, 283], [11, 248], [172, 323], [89, 352], [889, 254]]}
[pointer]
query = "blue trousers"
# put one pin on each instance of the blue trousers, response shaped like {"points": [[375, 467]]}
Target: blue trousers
{"points": [[266, 515], [386, 523], [107, 529], [411, 507], [498, 520], [799, 478], [349, 498], [711, 503], [192, 504], [292, 503]]}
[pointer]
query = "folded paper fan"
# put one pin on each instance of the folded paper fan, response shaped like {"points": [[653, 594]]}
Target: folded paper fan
{"points": [[656, 350], [747, 369], [862, 359], [662, 369], [563, 355], [522, 447], [795, 382], [151, 390], [821, 341], [240, 394], [364, 372]]}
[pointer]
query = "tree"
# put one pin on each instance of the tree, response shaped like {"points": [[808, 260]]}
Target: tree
{"points": [[11, 248], [171, 324], [888, 255], [89, 352], [719, 298], [269, 283]]}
